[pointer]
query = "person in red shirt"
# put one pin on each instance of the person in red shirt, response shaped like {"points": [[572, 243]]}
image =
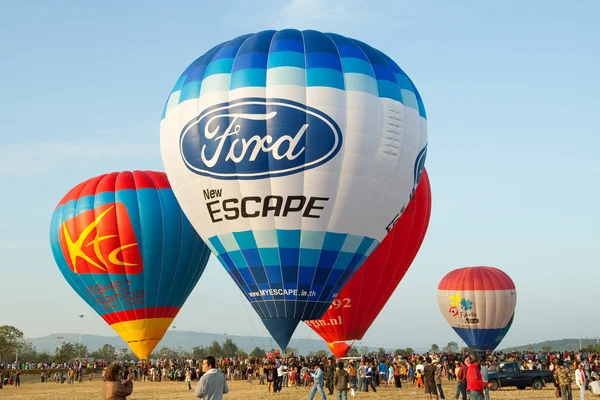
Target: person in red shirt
{"points": [[475, 384]]}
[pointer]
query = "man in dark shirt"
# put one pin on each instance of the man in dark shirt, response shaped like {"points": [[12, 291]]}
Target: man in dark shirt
{"points": [[329, 373], [429, 379], [461, 379]]}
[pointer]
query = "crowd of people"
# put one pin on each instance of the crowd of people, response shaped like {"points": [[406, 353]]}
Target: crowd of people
{"points": [[343, 378]]}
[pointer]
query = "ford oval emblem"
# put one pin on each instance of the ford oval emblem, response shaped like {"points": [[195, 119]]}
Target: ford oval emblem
{"points": [[255, 138]]}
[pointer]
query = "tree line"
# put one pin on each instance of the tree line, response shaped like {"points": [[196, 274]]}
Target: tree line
{"points": [[14, 347]]}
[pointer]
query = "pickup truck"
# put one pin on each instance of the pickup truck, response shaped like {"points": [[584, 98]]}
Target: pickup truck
{"points": [[510, 374]]}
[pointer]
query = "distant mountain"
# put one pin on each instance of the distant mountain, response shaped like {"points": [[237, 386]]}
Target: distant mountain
{"points": [[184, 340], [555, 345]]}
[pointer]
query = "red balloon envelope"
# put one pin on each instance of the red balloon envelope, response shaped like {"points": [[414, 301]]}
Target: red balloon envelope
{"points": [[363, 297]]}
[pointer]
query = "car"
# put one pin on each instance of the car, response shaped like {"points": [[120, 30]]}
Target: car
{"points": [[510, 375]]}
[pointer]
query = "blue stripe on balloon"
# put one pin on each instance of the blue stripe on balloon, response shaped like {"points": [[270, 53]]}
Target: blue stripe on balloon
{"points": [[309, 257], [323, 60], [197, 74], [221, 66], [343, 260], [250, 60], [389, 90], [383, 72], [224, 52], [404, 82], [248, 77], [245, 240], [270, 256], [190, 91], [356, 65], [238, 259], [286, 45], [481, 339], [352, 51], [288, 238], [286, 59], [324, 77]]}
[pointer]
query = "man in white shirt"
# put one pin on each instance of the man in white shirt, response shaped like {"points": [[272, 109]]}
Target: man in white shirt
{"points": [[419, 367], [212, 385], [595, 387], [580, 379]]}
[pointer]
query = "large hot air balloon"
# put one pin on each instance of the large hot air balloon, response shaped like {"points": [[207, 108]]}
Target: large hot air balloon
{"points": [[292, 153], [479, 303], [124, 245], [366, 293]]}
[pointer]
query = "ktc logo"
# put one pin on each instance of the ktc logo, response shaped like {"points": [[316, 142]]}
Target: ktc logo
{"points": [[258, 138], [101, 241]]}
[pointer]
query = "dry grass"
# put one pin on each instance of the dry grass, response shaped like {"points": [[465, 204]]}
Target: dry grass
{"points": [[239, 390]]}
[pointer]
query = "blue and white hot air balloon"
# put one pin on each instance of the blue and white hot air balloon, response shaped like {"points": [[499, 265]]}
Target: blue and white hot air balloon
{"points": [[293, 153]]}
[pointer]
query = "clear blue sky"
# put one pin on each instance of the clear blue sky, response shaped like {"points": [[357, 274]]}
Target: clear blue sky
{"points": [[511, 92]]}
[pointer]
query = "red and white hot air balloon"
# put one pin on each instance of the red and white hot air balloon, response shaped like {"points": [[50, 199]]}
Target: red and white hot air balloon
{"points": [[361, 300], [479, 304]]}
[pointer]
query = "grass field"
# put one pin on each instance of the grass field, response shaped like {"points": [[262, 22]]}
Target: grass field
{"points": [[239, 390]]}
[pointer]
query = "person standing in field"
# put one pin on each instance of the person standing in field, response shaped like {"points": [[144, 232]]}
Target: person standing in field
{"points": [[461, 380], [212, 385], [580, 379], [329, 373], [113, 389], [563, 377], [188, 378], [485, 378], [475, 384], [438, 379], [429, 372], [341, 381], [271, 373], [318, 383]]}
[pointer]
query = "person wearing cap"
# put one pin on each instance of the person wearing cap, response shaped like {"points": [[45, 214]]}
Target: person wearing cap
{"points": [[563, 377], [429, 372], [475, 384], [318, 382], [580, 379]]}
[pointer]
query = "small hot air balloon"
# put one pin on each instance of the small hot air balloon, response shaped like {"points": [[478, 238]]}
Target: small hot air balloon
{"points": [[291, 152], [366, 293], [124, 245], [479, 304]]}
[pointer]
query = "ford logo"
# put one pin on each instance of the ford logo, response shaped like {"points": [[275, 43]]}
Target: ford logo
{"points": [[255, 138]]}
